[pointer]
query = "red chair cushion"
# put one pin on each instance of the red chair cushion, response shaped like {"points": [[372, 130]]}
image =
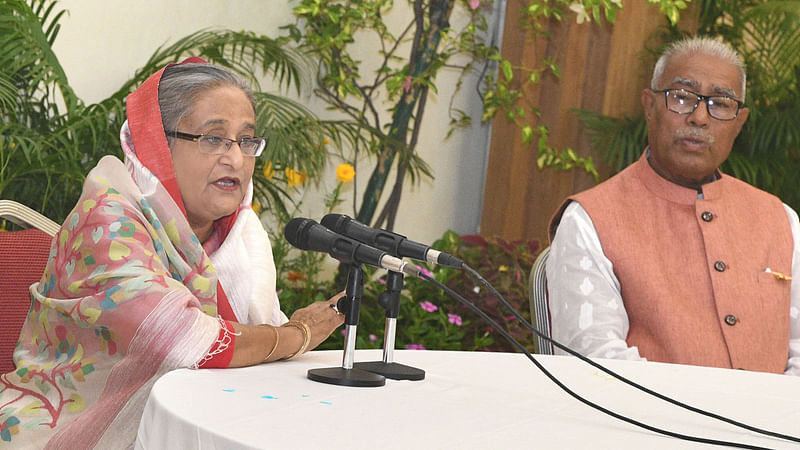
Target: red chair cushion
{"points": [[23, 256]]}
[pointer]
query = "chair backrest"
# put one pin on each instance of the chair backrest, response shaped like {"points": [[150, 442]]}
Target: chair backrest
{"points": [[538, 299], [23, 256], [26, 217]]}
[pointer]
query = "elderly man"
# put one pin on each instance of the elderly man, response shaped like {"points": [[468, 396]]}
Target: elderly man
{"points": [[671, 260]]}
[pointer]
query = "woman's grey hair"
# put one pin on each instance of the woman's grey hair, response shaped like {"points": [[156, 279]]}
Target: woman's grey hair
{"points": [[182, 84], [703, 46]]}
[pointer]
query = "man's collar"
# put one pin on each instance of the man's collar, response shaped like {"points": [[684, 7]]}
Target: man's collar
{"points": [[714, 177]]}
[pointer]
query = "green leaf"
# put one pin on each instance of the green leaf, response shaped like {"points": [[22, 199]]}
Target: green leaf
{"points": [[533, 9], [508, 71], [673, 15], [527, 134]]}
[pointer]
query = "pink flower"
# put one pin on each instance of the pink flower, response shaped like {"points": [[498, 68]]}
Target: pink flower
{"points": [[454, 318], [474, 4], [415, 347], [428, 306], [373, 338], [407, 84], [425, 271]]}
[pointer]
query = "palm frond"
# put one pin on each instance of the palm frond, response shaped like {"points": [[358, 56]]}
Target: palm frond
{"points": [[8, 95], [619, 140], [243, 52], [294, 138], [27, 57], [771, 32]]}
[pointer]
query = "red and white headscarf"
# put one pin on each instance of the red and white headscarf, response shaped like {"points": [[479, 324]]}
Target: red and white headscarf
{"points": [[150, 143]]}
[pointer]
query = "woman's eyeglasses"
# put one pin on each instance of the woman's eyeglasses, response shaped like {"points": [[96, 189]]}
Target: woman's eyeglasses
{"points": [[215, 145], [720, 107]]}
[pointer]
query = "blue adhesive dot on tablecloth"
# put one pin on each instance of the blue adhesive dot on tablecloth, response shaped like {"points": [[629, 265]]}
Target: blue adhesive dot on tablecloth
{"points": [[327, 403], [269, 397], [228, 390]]}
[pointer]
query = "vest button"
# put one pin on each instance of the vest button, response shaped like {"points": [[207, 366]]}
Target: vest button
{"points": [[720, 266], [731, 320], [707, 216]]}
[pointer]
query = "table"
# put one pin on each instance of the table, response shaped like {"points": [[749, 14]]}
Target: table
{"points": [[467, 400]]}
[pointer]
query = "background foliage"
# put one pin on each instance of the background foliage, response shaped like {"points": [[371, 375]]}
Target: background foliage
{"points": [[387, 102], [49, 136], [428, 317]]}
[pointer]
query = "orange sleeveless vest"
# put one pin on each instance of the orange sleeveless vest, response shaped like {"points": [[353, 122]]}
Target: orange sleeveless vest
{"points": [[701, 279]]}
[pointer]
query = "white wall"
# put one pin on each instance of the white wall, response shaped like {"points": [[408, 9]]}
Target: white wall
{"points": [[102, 43]]}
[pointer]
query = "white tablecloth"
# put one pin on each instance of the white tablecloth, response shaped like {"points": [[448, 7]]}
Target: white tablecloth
{"points": [[467, 400]]}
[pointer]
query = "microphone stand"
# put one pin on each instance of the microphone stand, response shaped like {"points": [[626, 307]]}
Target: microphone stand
{"points": [[347, 375], [389, 300]]}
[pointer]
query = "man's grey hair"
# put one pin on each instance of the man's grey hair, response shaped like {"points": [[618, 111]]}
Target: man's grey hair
{"points": [[182, 84], [703, 46]]}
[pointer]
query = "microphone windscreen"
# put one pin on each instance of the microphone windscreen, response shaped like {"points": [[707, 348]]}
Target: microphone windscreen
{"points": [[335, 222], [295, 230]]}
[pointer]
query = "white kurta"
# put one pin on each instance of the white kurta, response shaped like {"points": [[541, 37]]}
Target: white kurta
{"points": [[586, 307]]}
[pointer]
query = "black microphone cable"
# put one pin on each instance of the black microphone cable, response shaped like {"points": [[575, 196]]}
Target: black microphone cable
{"points": [[566, 389], [625, 380], [335, 221]]}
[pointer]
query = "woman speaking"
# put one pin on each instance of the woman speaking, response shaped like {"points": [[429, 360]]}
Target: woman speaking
{"points": [[162, 264]]}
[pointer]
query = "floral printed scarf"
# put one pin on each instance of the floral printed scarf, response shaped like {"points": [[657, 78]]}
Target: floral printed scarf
{"points": [[128, 294]]}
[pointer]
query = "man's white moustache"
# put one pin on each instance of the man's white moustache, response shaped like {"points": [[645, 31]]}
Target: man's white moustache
{"points": [[694, 133]]}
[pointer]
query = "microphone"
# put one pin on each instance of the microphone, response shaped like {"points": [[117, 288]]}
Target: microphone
{"points": [[307, 234], [393, 243]]}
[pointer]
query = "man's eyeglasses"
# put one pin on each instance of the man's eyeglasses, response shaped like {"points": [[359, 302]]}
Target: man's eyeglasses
{"points": [[719, 107], [215, 145]]}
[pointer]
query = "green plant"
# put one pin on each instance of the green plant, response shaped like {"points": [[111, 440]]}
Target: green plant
{"points": [[767, 151], [334, 32]]}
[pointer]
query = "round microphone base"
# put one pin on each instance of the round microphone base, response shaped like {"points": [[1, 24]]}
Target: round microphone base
{"points": [[346, 377], [393, 370]]}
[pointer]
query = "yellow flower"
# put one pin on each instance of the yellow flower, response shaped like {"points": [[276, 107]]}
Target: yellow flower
{"points": [[256, 207], [294, 177], [502, 268], [345, 173], [268, 172], [325, 140]]}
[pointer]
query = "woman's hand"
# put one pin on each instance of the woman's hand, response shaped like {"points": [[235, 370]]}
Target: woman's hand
{"points": [[321, 319], [263, 343]]}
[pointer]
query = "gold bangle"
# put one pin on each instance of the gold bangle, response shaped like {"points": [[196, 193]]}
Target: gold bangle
{"points": [[277, 341], [306, 337]]}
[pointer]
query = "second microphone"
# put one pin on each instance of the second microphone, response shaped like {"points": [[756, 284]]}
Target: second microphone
{"points": [[307, 234]]}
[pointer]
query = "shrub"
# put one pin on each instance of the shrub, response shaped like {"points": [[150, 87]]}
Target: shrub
{"points": [[428, 317]]}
